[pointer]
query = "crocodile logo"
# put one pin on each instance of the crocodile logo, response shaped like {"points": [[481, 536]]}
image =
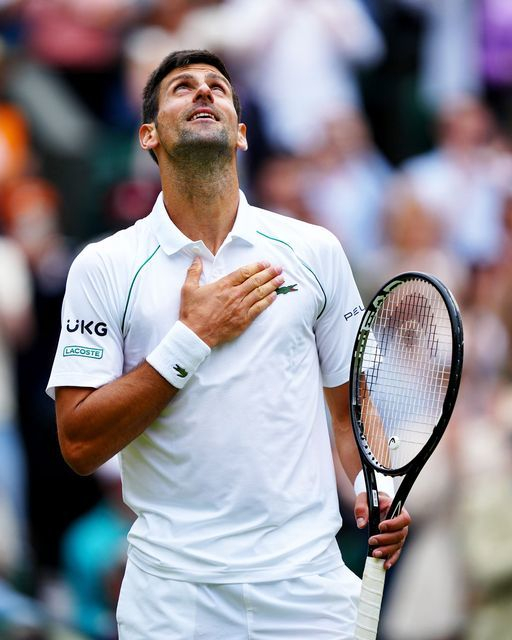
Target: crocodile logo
{"points": [[287, 289], [182, 373]]}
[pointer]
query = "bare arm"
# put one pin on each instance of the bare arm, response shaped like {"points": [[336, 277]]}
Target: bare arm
{"points": [[338, 402], [389, 542], [95, 424]]}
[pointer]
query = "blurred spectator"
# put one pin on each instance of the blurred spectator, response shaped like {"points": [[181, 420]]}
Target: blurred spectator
{"points": [[306, 48], [94, 550], [450, 52], [16, 324], [14, 130], [426, 595], [484, 524], [457, 183], [14, 142], [486, 339], [496, 42], [82, 40], [411, 241], [31, 217], [281, 185], [348, 184]]}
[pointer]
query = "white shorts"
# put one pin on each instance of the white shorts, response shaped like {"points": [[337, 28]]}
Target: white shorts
{"points": [[317, 607]]}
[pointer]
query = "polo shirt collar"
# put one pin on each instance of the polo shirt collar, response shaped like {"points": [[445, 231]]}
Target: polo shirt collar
{"points": [[172, 240]]}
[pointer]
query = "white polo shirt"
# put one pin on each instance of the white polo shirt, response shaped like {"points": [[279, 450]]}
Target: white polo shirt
{"points": [[234, 482]]}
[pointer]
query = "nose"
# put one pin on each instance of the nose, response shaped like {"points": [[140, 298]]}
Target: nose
{"points": [[203, 91]]}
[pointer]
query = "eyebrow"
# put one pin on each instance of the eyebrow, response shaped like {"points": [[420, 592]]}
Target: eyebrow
{"points": [[211, 75]]}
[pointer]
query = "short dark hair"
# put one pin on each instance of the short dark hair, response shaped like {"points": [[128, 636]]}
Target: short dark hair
{"points": [[176, 60]]}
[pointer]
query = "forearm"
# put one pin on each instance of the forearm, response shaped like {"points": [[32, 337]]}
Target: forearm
{"points": [[95, 424], [338, 402], [347, 448]]}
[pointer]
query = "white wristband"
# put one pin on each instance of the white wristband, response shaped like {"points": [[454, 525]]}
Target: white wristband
{"points": [[384, 484], [178, 355]]}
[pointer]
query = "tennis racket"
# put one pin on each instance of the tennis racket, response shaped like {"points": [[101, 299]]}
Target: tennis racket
{"points": [[405, 375]]}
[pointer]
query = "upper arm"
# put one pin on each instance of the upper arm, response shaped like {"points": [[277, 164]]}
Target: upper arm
{"points": [[337, 399]]}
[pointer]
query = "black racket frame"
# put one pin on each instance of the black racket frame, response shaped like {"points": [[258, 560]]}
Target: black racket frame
{"points": [[410, 470]]}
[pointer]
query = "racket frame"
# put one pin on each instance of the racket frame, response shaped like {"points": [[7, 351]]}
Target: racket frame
{"points": [[374, 574], [412, 468]]}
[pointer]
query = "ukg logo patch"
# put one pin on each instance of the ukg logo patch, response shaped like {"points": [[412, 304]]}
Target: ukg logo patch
{"points": [[83, 352]]}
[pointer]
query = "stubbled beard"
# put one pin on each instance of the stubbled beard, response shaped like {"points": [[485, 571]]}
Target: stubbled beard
{"points": [[202, 156]]}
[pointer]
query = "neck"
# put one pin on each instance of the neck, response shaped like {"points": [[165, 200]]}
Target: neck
{"points": [[201, 198]]}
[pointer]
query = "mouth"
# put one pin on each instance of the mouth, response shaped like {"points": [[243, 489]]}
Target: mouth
{"points": [[203, 114]]}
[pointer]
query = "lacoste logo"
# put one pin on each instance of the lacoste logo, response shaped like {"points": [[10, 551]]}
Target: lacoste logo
{"points": [[287, 289], [182, 373], [83, 352]]}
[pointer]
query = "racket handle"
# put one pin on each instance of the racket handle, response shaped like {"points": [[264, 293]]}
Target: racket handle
{"points": [[372, 588]]}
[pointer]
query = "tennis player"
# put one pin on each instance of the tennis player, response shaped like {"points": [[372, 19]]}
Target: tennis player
{"points": [[199, 344]]}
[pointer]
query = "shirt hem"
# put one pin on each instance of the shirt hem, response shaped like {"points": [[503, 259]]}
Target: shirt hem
{"points": [[245, 576]]}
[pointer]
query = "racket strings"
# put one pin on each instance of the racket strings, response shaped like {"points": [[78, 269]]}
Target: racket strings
{"points": [[406, 365]]}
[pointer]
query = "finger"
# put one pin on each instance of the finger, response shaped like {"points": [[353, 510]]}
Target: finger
{"points": [[260, 306], [263, 291], [395, 524], [388, 539], [194, 273], [361, 510], [393, 559], [240, 275], [259, 279], [391, 555]]}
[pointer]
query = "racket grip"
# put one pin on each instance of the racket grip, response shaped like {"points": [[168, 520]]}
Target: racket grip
{"points": [[372, 588]]}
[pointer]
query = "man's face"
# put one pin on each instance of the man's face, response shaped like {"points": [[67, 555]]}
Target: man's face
{"points": [[196, 109]]}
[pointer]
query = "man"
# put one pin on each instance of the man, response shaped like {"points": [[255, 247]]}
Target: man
{"points": [[196, 343]]}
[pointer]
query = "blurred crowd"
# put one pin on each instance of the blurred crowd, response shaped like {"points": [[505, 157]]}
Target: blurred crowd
{"points": [[388, 122]]}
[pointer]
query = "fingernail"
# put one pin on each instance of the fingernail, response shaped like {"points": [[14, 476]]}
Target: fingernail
{"points": [[372, 542], [377, 554], [360, 522]]}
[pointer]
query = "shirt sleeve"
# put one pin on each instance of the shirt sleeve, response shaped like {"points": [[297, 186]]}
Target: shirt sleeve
{"points": [[337, 326], [90, 347]]}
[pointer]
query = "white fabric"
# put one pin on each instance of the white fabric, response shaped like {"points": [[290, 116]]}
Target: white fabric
{"points": [[384, 484], [178, 355], [234, 482], [313, 607]]}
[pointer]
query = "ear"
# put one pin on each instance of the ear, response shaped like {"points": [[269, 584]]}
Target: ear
{"points": [[241, 142], [148, 136]]}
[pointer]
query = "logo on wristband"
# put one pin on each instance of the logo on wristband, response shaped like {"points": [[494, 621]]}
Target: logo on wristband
{"points": [[182, 373]]}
